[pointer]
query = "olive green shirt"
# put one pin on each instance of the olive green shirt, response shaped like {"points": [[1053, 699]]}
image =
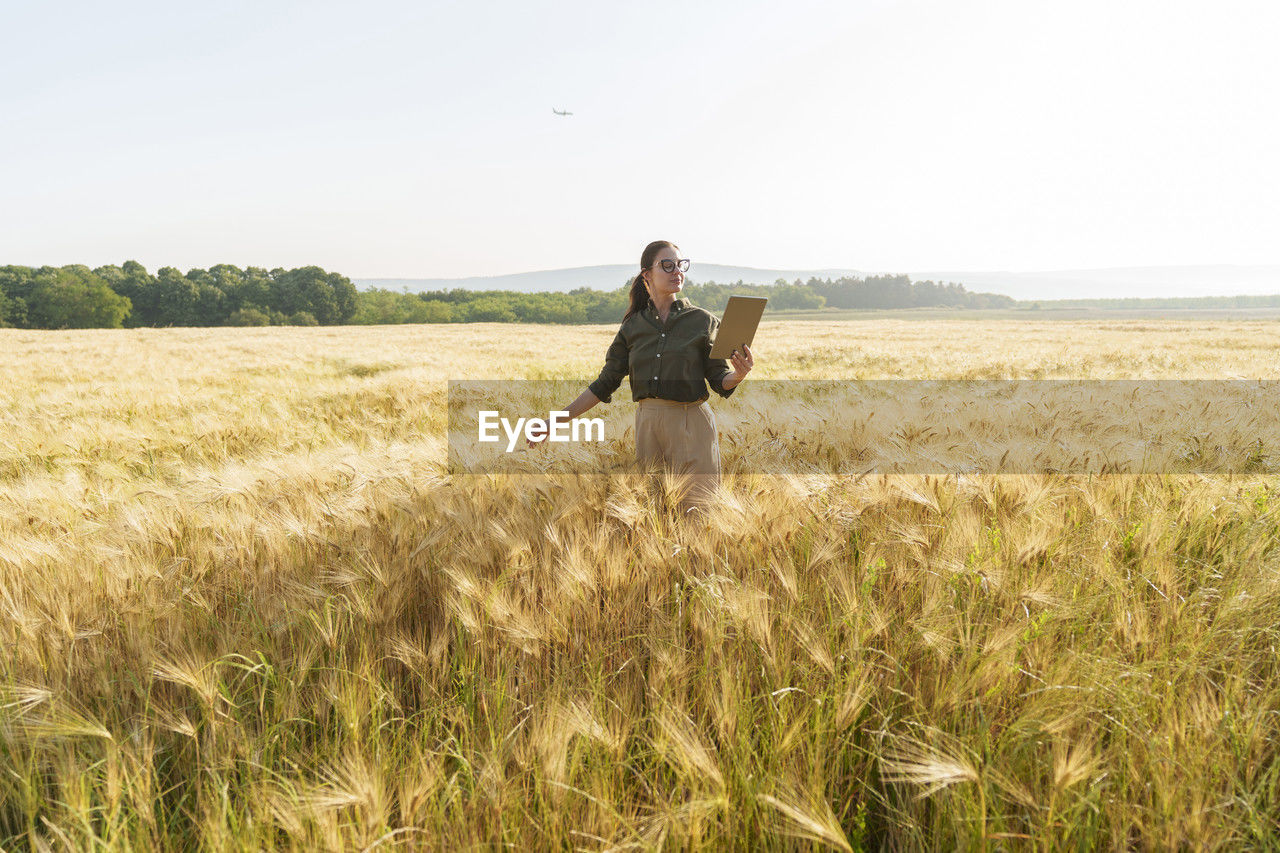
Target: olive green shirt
{"points": [[670, 361]]}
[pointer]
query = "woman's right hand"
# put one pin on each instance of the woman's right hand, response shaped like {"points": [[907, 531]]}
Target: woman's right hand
{"points": [[533, 442], [574, 410]]}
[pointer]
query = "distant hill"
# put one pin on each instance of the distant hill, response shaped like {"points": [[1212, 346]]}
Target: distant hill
{"points": [[605, 277], [1118, 282]]}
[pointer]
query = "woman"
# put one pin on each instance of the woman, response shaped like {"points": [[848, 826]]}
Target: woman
{"points": [[665, 345]]}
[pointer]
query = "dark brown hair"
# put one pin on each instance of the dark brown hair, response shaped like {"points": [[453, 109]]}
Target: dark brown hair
{"points": [[639, 293]]}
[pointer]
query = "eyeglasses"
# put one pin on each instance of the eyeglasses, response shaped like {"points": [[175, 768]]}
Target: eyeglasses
{"points": [[669, 266]]}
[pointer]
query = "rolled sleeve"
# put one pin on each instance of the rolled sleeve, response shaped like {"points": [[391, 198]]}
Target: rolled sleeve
{"points": [[615, 367], [716, 380], [716, 368]]}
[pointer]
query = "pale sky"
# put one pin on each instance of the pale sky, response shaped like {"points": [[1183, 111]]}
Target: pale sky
{"points": [[396, 139]]}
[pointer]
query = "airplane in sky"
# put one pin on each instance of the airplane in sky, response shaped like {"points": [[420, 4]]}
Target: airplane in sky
{"points": [[557, 112]]}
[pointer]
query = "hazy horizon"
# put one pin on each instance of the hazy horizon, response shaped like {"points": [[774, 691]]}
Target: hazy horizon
{"points": [[833, 267], [1115, 282], [418, 141]]}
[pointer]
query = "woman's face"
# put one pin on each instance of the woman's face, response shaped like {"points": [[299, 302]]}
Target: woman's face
{"points": [[660, 282]]}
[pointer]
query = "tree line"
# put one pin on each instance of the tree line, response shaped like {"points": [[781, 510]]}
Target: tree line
{"points": [[77, 297], [598, 306]]}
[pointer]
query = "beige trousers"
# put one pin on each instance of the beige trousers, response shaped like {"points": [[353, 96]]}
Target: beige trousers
{"points": [[680, 438]]}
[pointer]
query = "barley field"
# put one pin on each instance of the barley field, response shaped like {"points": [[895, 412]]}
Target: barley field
{"points": [[244, 605]]}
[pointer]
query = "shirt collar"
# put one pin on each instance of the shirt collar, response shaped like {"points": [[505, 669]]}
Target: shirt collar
{"points": [[677, 306]]}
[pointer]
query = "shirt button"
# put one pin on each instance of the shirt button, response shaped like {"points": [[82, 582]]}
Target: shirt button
{"points": [[655, 377], [659, 355], [663, 335]]}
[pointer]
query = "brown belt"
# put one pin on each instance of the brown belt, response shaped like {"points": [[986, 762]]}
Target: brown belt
{"points": [[656, 401]]}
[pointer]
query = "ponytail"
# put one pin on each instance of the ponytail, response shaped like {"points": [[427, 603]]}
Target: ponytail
{"points": [[639, 299]]}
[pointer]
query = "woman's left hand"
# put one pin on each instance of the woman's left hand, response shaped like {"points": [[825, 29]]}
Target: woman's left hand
{"points": [[743, 361]]}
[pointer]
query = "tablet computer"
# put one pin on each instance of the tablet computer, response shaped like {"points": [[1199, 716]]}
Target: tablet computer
{"points": [[738, 327]]}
